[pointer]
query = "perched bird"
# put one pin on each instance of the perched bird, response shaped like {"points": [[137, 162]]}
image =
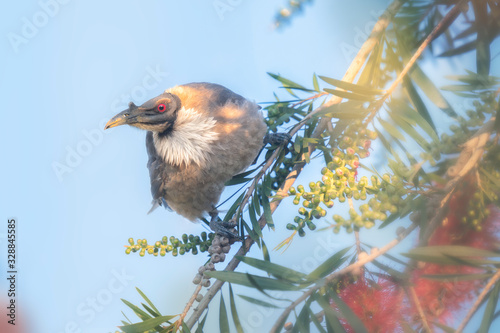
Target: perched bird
{"points": [[199, 136]]}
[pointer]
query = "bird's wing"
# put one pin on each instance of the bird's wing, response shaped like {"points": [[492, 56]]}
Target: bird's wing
{"points": [[156, 168]]}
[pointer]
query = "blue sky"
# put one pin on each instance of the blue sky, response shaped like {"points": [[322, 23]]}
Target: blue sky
{"points": [[79, 193]]}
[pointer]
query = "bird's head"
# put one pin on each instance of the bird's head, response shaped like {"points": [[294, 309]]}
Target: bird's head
{"points": [[156, 115]]}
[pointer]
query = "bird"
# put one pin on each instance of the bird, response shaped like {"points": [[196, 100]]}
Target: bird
{"points": [[199, 135]]}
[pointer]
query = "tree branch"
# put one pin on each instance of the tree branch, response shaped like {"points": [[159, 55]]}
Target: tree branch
{"points": [[478, 302], [335, 275]]}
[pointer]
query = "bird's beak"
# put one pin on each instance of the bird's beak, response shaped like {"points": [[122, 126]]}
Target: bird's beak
{"points": [[123, 118]]}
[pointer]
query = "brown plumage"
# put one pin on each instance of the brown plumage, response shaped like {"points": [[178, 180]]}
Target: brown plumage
{"points": [[199, 136]]}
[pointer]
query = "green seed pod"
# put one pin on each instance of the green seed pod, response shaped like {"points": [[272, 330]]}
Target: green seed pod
{"points": [[296, 201], [142, 253], [312, 185], [162, 253], [302, 233], [175, 252], [342, 199], [128, 250], [302, 211], [356, 195], [157, 244], [311, 225], [164, 240], [300, 188], [369, 224], [292, 191], [150, 250], [290, 226], [131, 241], [169, 248], [329, 203]]}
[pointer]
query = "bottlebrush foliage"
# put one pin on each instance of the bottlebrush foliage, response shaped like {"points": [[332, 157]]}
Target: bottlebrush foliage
{"points": [[437, 178]]}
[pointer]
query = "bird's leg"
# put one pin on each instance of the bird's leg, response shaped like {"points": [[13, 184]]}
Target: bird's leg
{"points": [[274, 139], [222, 228], [277, 139]]}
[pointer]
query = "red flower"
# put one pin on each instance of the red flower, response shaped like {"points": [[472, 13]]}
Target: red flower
{"points": [[441, 299], [377, 304]]}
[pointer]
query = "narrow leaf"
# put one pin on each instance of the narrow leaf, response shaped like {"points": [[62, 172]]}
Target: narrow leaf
{"points": [[223, 321], [242, 279], [329, 265], [145, 325]]}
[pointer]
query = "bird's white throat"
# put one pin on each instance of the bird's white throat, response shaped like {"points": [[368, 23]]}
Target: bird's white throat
{"points": [[190, 140]]}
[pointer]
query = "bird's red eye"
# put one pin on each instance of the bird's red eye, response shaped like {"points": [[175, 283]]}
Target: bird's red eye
{"points": [[162, 107]]}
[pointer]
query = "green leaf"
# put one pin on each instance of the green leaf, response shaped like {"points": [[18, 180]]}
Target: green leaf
{"points": [[333, 324], [410, 130], [259, 302], [199, 329], [253, 218], [315, 83], [280, 272], [489, 311], [265, 252], [431, 91], [151, 311], [452, 255], [237, 180], [417, 101], [234, 312], [302, 322], [445, 328], [287, 83], [185, 329], [349, 95], [223, 321], [242, 279], [457, 277], [483, 39], [146, 325], [267, 211], [329, 265], [138, 311], [148, 301], [391, 130], [316, 322], [355, 88], [231, 211]]}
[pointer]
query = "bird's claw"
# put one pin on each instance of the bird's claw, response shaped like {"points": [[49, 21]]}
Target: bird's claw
{"points": [[226, 229], [277, 139]]}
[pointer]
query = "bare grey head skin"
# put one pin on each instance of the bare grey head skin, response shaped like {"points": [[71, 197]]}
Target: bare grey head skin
{"points": [[199, 136], [156, 115]]}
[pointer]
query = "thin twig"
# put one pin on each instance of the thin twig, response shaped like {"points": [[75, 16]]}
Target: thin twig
{"points": [[478, 302], [178, 323], [414, 297], [335, 275], [451, 15]]}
